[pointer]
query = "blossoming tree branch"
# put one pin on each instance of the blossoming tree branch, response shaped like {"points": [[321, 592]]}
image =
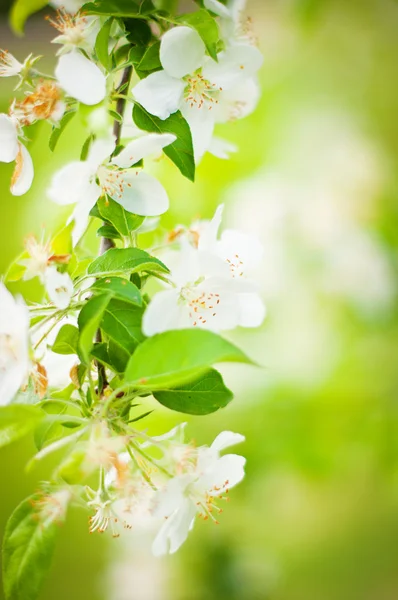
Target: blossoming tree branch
{"points": [[130, 321]]}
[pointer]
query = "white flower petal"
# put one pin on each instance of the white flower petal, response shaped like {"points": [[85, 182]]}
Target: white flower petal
{"points": [[142, 194], [248, 248], [162, 314], [147, 145], [225, 473], [59, 287], [71, 184], [236, 63], [221, 148], [80, 78], [208, 235], [225, 439], [22, 177], [8, 139], [175, 530], [80, 216], [160, 94], [100, 150], [201, 122], [252, 310], [239, 101], [181, 51], [217, 8]]}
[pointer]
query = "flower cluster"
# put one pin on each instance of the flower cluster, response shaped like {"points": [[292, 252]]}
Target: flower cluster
{"points": [[76, 366]]}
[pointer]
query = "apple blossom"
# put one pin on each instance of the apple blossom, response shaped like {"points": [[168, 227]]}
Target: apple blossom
{"points": [[194, 83], [81, 78], [75, 31], [11, 149], [14, 344], [137, 191]]}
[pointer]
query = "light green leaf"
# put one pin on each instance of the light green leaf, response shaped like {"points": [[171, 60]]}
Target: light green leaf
{"points": [[207, 28], [180, 151], [201, 396], [112, 212], [67, 340], [122, 323], [175, 357], [118, 288], [89, 320], [17, 420], [102, 44], [28, 546], [150, 61], [16, 271], [119, 8], [21, 10], [109, 232], [59, 129], [125, 260]]}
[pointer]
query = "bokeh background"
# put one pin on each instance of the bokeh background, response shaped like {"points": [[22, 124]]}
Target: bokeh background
{"points": [[316, 179]]}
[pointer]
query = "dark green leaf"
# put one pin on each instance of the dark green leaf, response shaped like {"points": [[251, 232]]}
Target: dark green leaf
{"points": [[16, 420], [207, 28], [138, 31], [122, 323], [150, 61], [109, 232], [67, 340], [180, 151], [118, 288], [125, 260], [175, 357], [112, 355], [57, 131], [102, 44], [28, 546], [202, 396]]}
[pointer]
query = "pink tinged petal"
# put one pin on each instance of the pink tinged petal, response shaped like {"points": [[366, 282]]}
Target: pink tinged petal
{"points": [[160, 94], [252, 310], [9, 146], [225, 439], [222, 148], [175, 530], [22, 177], [201, 121], [224, 474], [72, 184], [237, 63], [147, 145], [80, 78], [141, 194], [181, 51], [162, 314]]}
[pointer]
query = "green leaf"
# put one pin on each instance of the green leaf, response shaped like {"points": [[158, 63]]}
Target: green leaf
{"points": [[21, 10], [150, 61], [28, 546], [109, 232], [112, 212], [207, 28], [89, 319], [112, 355], [122, 324], [67, 340], [118, 288], [57, 131], [202, 396], [102, 44], [138, 31], [16, 271], [180, 151], [86, 147], [169, 359], [16, 420], [62, 242], [125, 260], [118, 8]]}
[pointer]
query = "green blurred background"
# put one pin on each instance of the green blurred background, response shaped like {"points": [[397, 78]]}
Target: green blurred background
{"points": [[316, 178]]}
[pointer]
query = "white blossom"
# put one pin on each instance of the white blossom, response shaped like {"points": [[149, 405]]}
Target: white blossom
{"points": [[75, 31], [195, 492], [9, 65], [14, 344], [11, 149], [83, 182], [45, 103], [203, 89], [81, 78], [59, 287]]}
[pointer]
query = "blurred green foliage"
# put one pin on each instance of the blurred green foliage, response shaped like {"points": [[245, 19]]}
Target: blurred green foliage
{"points": [[317, 516]]}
